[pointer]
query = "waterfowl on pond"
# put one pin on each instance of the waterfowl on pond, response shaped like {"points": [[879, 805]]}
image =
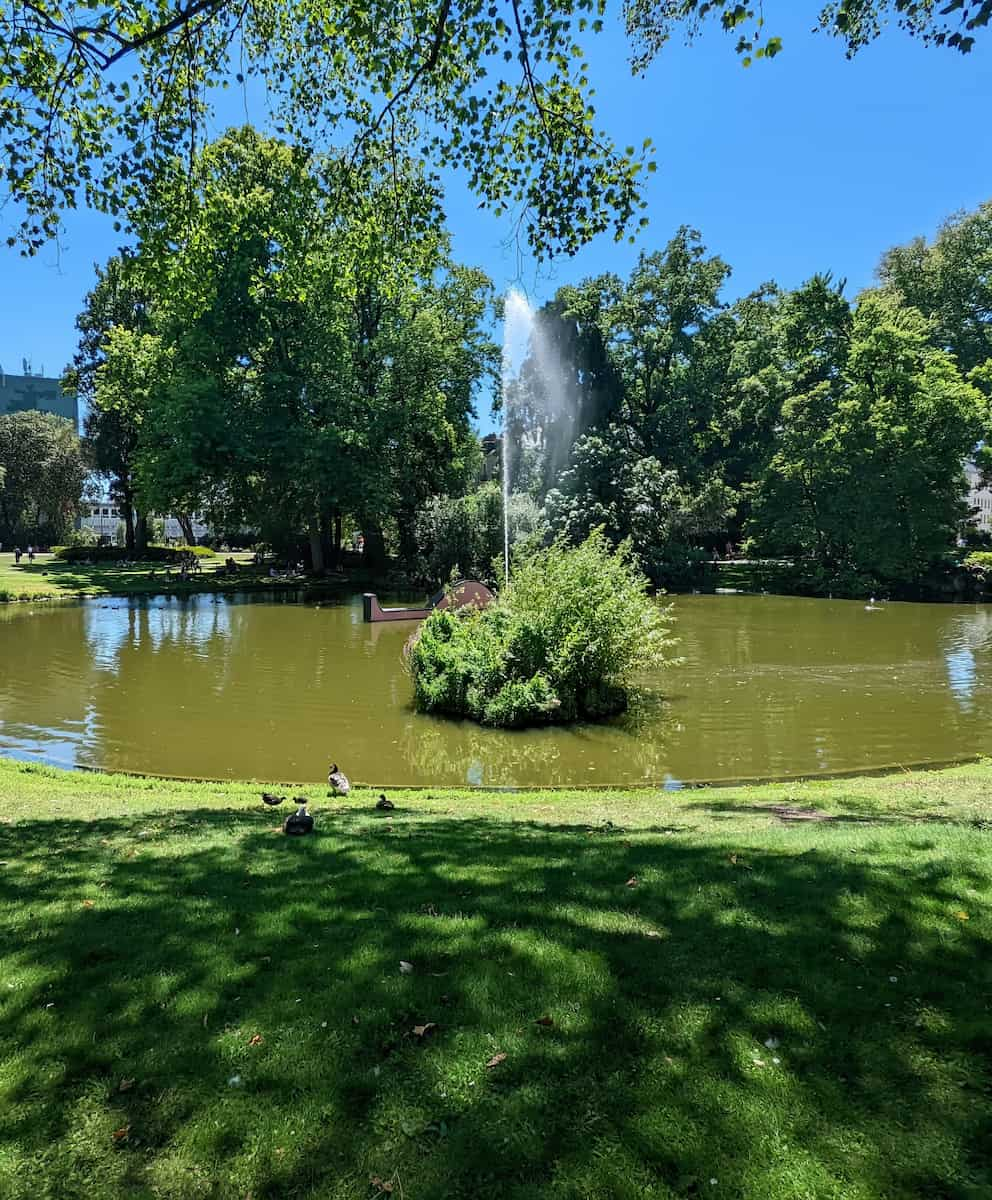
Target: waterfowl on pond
{"points": [[271, 798], [338, 781], [384, 804]]}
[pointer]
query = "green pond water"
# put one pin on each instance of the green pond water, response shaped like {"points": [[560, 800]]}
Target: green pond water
{"points": [[258, 688]]}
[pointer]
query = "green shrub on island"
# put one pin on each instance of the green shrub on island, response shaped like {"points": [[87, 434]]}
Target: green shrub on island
{"points": [[563, 641]]}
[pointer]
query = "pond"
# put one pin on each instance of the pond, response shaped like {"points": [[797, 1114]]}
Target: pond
{"points": [[256, 687]]}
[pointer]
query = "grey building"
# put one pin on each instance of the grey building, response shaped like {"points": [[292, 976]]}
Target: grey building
{"points": [[22, 393]]}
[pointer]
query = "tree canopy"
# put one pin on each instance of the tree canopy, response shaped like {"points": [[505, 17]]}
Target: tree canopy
{"points": [[94, 99]]}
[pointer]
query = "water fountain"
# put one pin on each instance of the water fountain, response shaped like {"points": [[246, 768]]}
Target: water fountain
{"points": [[528, 349]]}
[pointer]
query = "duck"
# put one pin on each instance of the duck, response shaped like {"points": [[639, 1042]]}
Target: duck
{"points": [[338, 781], [383, 804], [272, 798], [299, 823]]}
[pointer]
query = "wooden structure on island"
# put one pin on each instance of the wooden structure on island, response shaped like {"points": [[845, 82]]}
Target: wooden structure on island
{"points": [[459, 595]]}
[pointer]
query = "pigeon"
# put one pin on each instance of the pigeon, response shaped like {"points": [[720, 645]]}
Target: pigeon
{"points": [[338, 781], [271, 798], [299, 823], [384, 804]]}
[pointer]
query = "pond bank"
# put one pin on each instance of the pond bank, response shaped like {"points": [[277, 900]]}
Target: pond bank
{"points": [[753, 994]]}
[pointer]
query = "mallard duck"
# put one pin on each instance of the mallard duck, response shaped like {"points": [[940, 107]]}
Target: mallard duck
{"points": [[338, 781], [384, 804], [272, 798], [299, 823]]}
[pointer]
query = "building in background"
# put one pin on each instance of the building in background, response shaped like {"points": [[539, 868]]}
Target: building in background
{"points": [[979, 498], [32, 391]]}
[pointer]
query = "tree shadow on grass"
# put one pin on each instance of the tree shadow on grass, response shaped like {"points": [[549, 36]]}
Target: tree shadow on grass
{"points": [[154, 950]]}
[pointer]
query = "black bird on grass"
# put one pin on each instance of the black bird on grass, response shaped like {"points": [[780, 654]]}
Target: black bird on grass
{"points": [[383, 804], [299, 823], [271, 798]]}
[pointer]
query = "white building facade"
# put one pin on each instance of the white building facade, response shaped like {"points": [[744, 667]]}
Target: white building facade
{"points": [[979, 498]]}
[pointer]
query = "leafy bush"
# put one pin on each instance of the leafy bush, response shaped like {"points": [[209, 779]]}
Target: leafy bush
{"points": [[113, 554], [465, 533], [561, 643]]}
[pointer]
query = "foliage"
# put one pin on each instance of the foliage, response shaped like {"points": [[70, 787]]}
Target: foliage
{"points": [[979, 564], [44, 477], [951, 23], [94, 101], [464, 534], [114, 315], [950, 281], [563, 642], [630, 495], [867, 473]]}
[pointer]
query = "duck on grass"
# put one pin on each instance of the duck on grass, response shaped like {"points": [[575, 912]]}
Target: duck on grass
{"points": [[564, 641]]}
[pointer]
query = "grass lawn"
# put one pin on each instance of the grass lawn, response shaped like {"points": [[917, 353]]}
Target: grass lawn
{"points": [[775, 992], [49, 578]]}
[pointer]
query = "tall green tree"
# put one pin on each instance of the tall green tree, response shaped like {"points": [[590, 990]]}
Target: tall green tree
{"points": [[867, 474], [113, 417], [43, 476], [950, 281], [322, 357]]}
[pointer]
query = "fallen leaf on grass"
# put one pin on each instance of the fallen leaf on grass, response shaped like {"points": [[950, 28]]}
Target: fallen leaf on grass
{"points": [[496, 1060], [633, 881], [384, 1185], [406, 968], [653, 933], [256, 1039], [87, 904], [120, 1134], [962, 915], [547, 1022], [125, 1085], [421, 1031]]}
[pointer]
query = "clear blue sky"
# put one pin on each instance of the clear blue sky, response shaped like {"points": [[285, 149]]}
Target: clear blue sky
{"points": [[802, 164]]}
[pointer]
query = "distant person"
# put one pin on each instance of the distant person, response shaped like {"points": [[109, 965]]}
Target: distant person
{"points": [[730, 550], [361, 543], [31, 554], [17, 555]]}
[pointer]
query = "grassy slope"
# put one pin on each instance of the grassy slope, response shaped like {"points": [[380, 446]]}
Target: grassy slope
{"points": [[48, 578], [151, 931]]}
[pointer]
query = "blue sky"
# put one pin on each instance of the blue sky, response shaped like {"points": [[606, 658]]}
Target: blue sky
{"points": [[806, 163]]}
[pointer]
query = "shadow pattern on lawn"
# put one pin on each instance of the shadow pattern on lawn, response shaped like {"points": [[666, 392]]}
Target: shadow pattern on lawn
{"points": [[141, 957]]}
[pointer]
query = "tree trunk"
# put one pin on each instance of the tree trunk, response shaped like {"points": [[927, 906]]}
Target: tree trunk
{"points": [[316, 547], [128, 505], [406, 521], [337, 537], [186, 525], [141, 532], [326, 543]]}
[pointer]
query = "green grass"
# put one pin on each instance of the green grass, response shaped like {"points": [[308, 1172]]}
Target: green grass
{"points": [[49, 579], [192, 1005]]}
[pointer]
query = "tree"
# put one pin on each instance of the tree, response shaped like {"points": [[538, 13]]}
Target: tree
{"points": [[43, 476], [867, 475], [93, 101], [320, 358], [950, 282], [952, 23], [612, 486], [113, 413]]}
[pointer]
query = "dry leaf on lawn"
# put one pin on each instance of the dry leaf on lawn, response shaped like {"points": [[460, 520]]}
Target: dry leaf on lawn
{"points": [[120, 1134], [496, 1060], [632, 881], [547, 1022], [256, 1039], [125, 1085], [423, 1030]]}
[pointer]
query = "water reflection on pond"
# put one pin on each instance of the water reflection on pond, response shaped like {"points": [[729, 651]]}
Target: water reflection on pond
{"points": [[255, 687]]}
